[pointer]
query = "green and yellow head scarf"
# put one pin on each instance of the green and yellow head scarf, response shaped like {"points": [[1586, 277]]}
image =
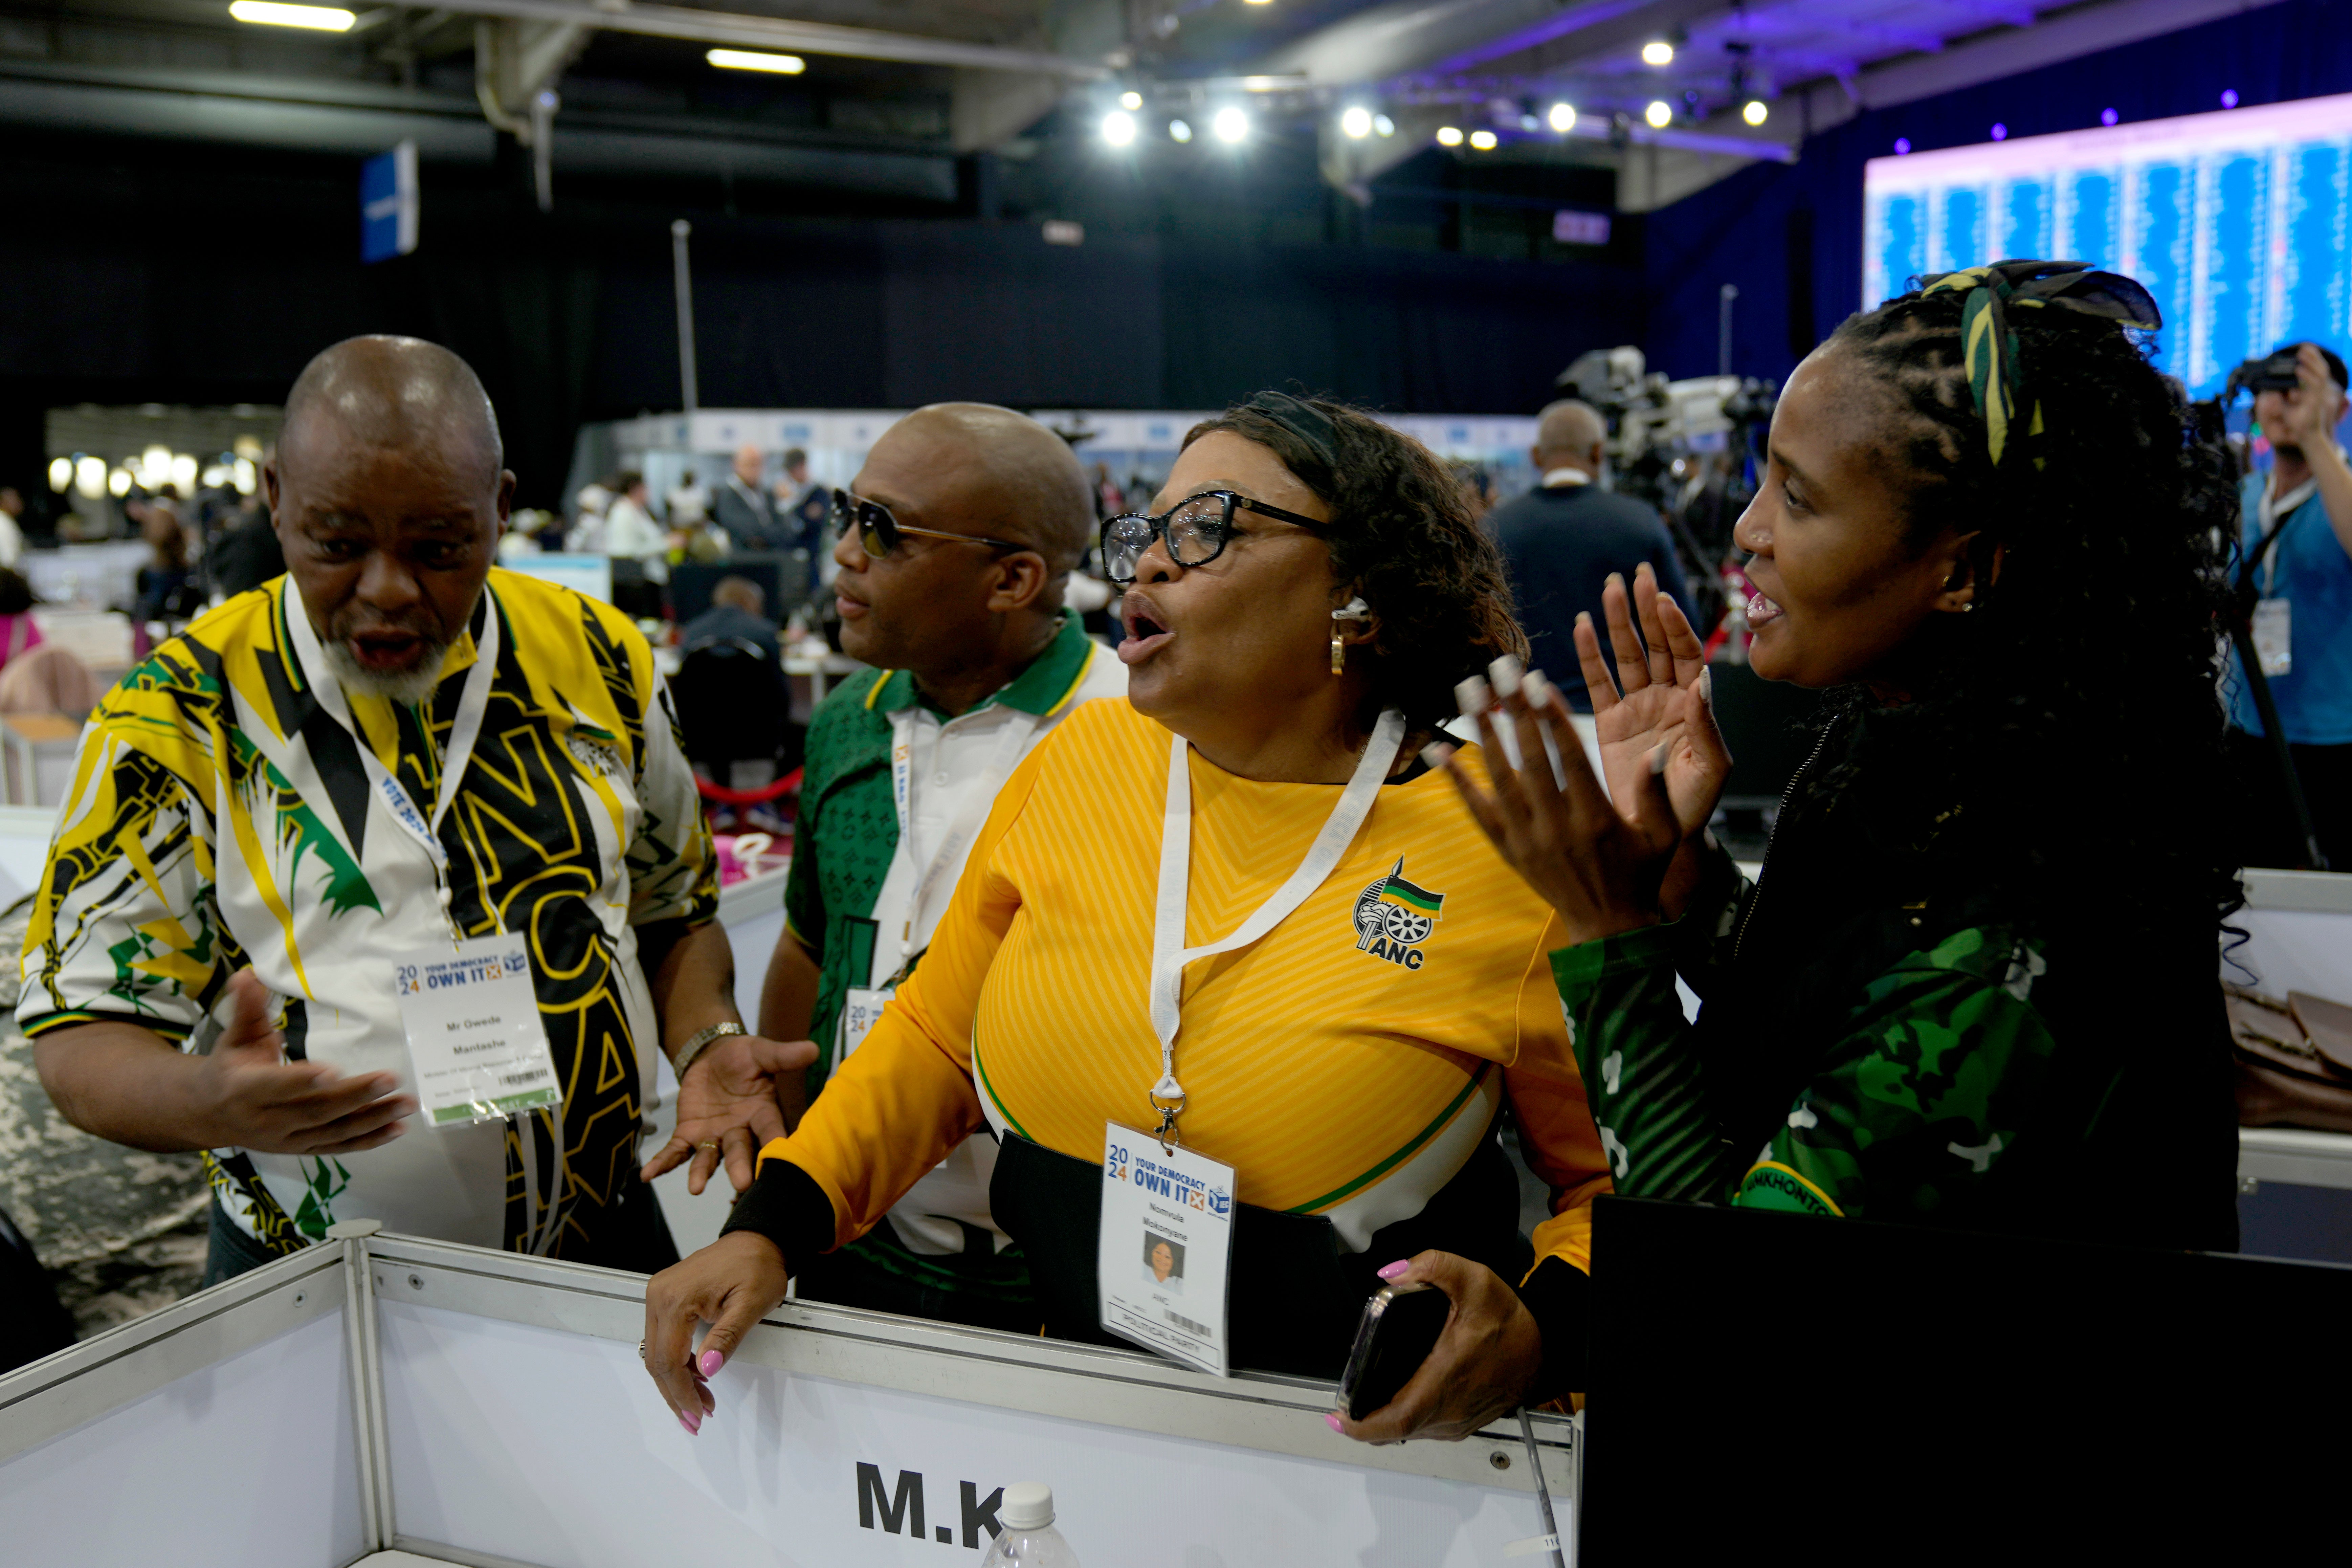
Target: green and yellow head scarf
{"points": [[1989, 343]]}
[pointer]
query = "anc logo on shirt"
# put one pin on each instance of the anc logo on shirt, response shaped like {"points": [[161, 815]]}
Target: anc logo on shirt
{"points": [[1394, 917]]}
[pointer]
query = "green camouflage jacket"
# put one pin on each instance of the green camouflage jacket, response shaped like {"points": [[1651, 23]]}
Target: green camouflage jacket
{"points": [[1916, 1096]]}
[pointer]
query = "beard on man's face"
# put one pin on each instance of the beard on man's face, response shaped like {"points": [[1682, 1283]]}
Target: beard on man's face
{"points": [[398, 659], [410, 686]]}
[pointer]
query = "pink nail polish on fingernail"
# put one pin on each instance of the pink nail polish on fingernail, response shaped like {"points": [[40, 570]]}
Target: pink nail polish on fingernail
{"points": [[693, 1426], [711, 1362], [1332, 1421], [1399, 1267]]}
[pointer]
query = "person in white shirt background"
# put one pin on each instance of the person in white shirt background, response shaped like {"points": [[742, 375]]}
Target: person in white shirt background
{"points": [[630, 532], [12, 534]]}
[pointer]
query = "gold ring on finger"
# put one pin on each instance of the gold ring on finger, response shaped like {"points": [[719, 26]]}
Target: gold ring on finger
{"points": [[707, 1144]]}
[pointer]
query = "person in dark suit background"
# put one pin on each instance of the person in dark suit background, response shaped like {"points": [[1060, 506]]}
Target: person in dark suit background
{"points": [[738, 609], [1563, 540], [806, 507], [744, 510]]}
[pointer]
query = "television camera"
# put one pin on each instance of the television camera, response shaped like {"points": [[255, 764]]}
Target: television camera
{"points": [[1692, 449]]}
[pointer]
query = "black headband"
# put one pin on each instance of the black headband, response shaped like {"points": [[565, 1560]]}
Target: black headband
{"points": [[1302, 419]]}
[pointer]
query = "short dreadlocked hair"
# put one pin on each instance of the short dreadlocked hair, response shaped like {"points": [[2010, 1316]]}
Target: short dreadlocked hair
{"points": [[2097, 640], [1401, 533]]}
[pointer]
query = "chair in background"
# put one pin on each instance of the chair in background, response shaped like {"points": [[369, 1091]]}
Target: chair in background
{"points": [[46, 693], [736, 714]]}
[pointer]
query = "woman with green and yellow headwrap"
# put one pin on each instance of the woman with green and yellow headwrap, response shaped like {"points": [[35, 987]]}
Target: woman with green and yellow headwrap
{"points": [[1975, 985]]}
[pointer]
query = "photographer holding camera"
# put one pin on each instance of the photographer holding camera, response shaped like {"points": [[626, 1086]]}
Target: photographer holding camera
{"points": [[2296, 577]]}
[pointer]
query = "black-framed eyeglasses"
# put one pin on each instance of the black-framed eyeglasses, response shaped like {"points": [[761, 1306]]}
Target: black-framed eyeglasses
{"points": [[1197, 529], [878, 532]]}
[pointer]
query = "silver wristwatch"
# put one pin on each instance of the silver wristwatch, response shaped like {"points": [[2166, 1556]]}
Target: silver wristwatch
{"points": [[699, 1041]]}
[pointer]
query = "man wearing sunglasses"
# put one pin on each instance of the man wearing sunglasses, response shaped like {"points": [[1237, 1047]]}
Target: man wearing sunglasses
{"points": [[955, 544]]}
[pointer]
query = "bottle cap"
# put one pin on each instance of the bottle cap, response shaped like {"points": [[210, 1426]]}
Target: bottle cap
{"points": [[1028, 1505]]}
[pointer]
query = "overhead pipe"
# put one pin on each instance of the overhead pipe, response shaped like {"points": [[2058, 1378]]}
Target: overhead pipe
{"points": [[776, 33]]}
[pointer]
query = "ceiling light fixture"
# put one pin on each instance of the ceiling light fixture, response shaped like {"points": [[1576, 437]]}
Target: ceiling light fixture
{"points": [[1130, 100], [1118, 127], [753, 60], [269, 14], [1483, 140], [1356, 121], [1563, 118], [1449, 136], [1660, 114], [1231, 125], [1382, 125], [1179, 131], [1658, 52], [1755, 111]]}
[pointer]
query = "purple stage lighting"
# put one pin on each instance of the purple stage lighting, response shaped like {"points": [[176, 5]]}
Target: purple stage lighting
{"points": [[2106, 117], [2000, 132], [2229, 98], [1902, 145]]}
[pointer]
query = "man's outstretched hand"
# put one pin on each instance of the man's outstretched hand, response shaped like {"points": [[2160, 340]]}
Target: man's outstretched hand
{"points": [[727, 1108], [252, 1097]]}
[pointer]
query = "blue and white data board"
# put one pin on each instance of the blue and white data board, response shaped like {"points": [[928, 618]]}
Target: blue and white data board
{"points": [[2237, 222]]}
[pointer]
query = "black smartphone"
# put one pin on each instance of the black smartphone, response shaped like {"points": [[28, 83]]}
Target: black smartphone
{"points": [[1398, 1330]]}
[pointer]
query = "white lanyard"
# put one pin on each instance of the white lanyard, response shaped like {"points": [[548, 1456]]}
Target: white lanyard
{"points": [[472, 703], [1169, 953], [926, 898]]}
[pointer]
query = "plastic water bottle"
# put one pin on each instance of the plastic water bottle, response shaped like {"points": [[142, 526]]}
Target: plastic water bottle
{"points": [[1029, 1539]]}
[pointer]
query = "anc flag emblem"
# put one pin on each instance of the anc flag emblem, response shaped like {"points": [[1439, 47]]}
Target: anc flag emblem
{"points": [[1394, 917]]}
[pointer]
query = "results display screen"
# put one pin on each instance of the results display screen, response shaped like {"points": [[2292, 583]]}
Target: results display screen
{"points": [[2240, 223]]}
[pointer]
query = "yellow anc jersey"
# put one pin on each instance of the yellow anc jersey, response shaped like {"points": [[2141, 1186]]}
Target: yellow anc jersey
{"points": [[1345, 1064], [219, 817]]}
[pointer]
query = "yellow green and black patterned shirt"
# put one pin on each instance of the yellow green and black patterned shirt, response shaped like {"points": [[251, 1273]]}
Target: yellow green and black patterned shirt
{"points": [[219, 817]]}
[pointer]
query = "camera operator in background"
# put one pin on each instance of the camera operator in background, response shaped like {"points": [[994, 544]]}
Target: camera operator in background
{"points": [[2296, 554], [1563, 541]]}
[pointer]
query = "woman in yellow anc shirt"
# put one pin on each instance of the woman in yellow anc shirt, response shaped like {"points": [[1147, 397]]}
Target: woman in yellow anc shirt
{"points": [[1306, 599]]}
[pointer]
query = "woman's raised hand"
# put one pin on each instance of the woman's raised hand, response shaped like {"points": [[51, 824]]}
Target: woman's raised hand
{"points": [[1598, 865], [1665, 700]]}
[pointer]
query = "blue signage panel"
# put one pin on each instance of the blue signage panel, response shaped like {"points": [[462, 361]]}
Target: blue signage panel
{"points": [[388, 203]]}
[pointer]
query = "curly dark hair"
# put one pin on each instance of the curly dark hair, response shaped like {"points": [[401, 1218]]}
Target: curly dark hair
{"points": [[2090, 658], [1401, 533]]}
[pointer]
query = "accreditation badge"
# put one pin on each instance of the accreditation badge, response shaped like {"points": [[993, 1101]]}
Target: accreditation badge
{"points": [[2274, 636], [1166, 1249], [861, 1009], [475, 1037]]}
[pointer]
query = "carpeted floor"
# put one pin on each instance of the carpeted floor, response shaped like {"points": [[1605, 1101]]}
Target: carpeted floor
{"points": [[122, 1231]]}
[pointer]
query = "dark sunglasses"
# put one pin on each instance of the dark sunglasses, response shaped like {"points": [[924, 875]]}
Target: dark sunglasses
{"points": [[1197, 529], [878, 532]]}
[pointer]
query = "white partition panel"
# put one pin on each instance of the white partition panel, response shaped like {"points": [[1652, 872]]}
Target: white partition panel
{"points": [[249, 1462], [539, 1445], [2298, 927]]}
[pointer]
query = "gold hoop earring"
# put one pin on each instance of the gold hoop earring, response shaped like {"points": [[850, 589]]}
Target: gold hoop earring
{"points": [[1339, 653]]}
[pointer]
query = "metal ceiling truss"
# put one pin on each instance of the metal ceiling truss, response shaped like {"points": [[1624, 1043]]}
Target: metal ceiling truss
{"points": [[779, 33]]}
